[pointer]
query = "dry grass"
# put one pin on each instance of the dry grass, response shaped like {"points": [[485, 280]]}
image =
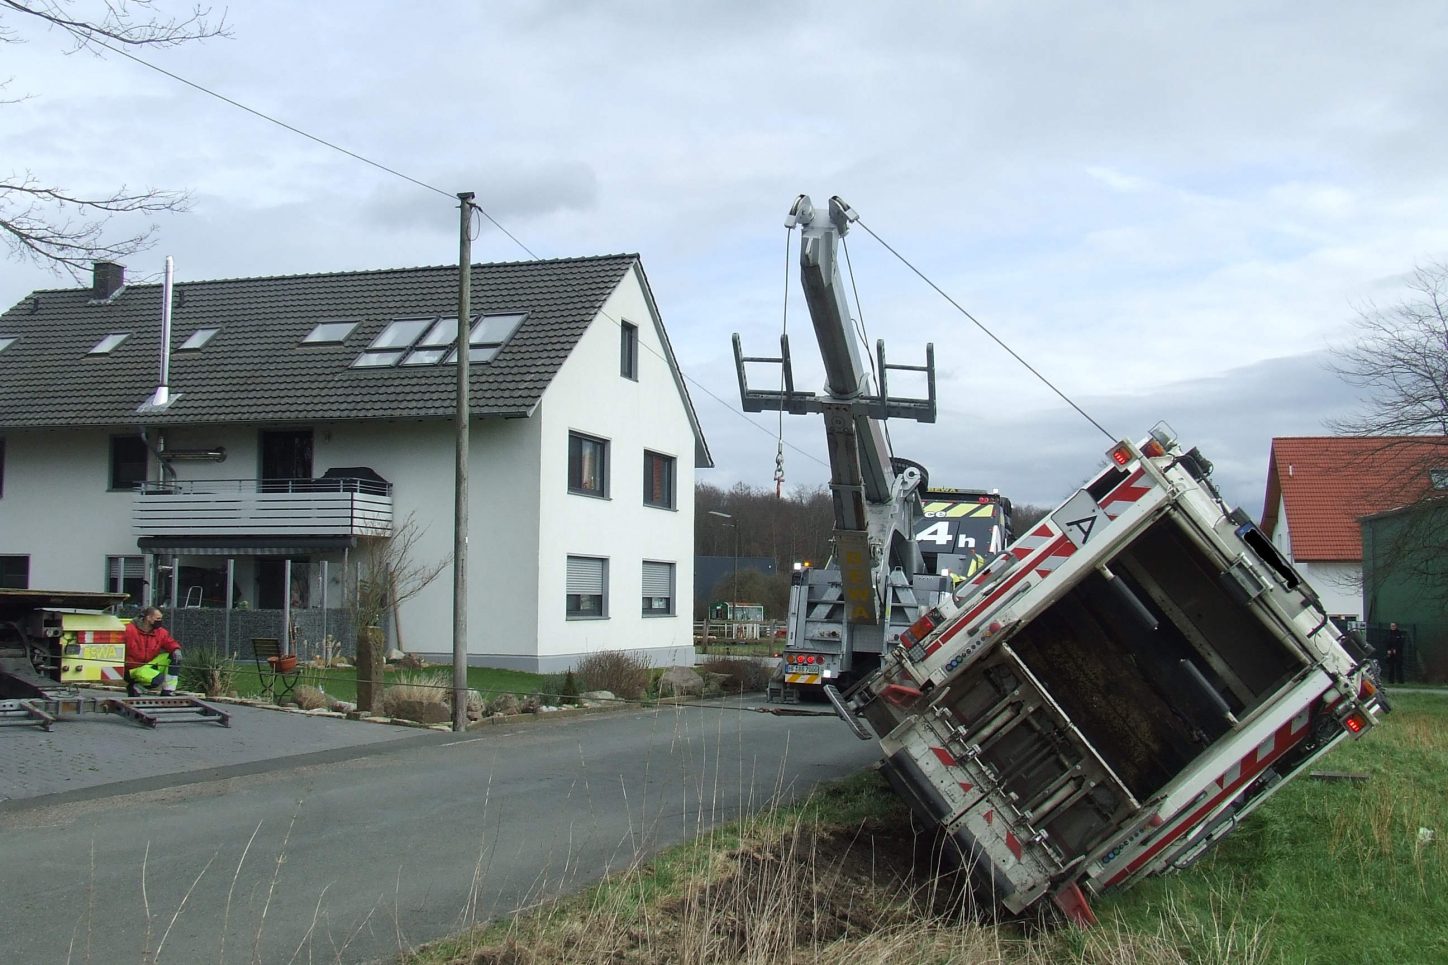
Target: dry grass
{"points": [[801, 890], [424, 687], [625, 675], [311, 698]]}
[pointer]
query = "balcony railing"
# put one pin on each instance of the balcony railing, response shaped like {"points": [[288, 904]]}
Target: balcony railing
{"points": [[263, 507]]}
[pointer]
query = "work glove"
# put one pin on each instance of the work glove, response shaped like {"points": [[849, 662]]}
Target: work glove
{"points": [[175, 658]]}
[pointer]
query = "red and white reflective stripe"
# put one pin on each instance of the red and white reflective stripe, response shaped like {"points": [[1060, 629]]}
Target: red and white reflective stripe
{"points": [[1049, 553], [1120, 499], [1231, 781], [112, 673], [948, 759]]}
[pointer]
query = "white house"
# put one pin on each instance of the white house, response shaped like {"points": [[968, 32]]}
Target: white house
{"points": [[309, 416]]}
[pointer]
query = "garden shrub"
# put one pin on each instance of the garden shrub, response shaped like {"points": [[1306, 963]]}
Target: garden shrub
{"points": [[737, 675], [625, 675]]}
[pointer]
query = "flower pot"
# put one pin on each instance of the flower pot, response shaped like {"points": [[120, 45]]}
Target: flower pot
{"points": [[286, 663]]}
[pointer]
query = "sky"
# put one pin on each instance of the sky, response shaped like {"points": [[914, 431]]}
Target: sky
{"points": [[1171, 211]]}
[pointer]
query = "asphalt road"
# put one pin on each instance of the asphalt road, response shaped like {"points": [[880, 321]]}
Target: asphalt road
{"points": [[355, 853]]}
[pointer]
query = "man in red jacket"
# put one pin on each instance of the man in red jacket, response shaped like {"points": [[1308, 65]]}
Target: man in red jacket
{"points": [[152, 655]]}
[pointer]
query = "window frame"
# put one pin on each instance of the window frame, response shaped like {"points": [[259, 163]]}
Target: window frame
{"points": [[109, 343], [6, 558], [116, 578], [2, 467], [317, 337], [112, 464], [670, 464], [575, 610], [670, 601], [197, 340], [628, 350], [576, 481]]}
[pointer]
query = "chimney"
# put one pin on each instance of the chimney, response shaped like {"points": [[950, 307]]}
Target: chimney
{"points": [[107, 279]]}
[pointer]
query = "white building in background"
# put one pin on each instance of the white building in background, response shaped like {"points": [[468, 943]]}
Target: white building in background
{"points": [[311, 415]]}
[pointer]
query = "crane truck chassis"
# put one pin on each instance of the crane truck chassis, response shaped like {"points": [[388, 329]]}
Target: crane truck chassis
{"points": [[1115, 691]]}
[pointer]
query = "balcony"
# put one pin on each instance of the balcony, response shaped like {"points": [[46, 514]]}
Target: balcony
{"points": [[277, 508]]}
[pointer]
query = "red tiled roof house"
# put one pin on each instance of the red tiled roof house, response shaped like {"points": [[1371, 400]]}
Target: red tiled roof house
{"points": [[1318, 490]]}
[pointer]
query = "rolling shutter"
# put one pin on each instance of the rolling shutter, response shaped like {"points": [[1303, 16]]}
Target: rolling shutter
{"points": [[658, 579], [585, 575]]}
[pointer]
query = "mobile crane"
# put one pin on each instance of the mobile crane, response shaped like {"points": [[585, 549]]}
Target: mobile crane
{"points": [[843, 615]]}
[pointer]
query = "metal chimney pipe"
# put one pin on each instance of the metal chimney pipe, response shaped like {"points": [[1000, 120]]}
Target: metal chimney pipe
{"points": [[163, 391]]}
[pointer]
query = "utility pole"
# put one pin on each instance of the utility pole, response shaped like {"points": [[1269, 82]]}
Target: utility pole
{"points": [[460, 512]]}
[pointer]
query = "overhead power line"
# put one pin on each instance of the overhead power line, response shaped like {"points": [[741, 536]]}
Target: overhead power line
{"points": [[425, 186]]}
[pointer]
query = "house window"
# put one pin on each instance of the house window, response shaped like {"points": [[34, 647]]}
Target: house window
{"points": [[587, 587], [587, 465], [108, 344], [658, 589], [126, 574], [6, 341], [15, 572], [198, 339], [329, 333], [128, 462], [658, 480], [628, 365]]}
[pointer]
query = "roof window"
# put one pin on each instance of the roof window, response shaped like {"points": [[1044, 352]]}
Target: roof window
{"points": [[489, 335], [6, 341], [108, 344], [329, 333], [198, 338], [428, 341]]}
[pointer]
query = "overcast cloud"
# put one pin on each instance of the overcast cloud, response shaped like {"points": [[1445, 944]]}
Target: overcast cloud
{"points": [[1168, 209]]}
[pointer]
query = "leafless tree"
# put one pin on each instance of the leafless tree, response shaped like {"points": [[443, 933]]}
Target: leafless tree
{"points": [[68, 230], [1400, 359], [388, 574]]}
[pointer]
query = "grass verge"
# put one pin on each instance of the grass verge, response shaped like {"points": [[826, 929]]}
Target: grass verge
{"points": [[1324, 872], [342, 683]]}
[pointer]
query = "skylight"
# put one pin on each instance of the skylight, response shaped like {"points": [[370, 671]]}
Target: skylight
{"points": [[428, 341], [198, 338], [6, 341], [327, 333], [489, 335], [108, 344]]}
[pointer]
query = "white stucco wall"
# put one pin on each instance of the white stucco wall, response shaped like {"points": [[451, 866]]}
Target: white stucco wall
{"points": [[590, 396], [418, 459], [57, 509], [1338, 583]]}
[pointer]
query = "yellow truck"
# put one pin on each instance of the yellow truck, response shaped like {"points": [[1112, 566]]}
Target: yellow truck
{"points": [[67, 636]]}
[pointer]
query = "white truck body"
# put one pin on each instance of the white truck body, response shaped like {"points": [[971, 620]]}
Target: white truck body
{"points": [[1109, 695]]}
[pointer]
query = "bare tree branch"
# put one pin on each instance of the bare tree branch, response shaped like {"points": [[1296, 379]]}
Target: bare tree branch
{"points": [[1400, 356], [64, 230]]}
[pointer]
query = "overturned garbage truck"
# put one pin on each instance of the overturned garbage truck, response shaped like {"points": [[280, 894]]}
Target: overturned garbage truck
{"points": [[1111, 694], [1106, 697]]}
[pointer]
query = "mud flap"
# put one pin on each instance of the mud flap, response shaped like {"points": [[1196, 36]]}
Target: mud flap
{"points": [[1074, 906], [843, 712]]}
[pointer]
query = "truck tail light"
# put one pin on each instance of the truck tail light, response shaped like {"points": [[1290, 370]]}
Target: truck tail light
{"points": [[1121, 455], [920, 629], [1355, 722], [1367, 689]]}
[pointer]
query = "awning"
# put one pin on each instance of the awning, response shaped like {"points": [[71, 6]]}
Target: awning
{"points": [[244, 545]]}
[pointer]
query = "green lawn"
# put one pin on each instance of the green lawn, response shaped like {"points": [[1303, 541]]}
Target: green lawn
{"points": [[342, 684], [1331, 871]]}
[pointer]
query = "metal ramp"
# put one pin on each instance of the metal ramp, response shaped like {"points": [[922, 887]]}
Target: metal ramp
{"points": [[32, 701], [150, 711]]}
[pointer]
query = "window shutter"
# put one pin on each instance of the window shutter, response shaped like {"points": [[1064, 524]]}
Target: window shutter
{"points": [[658, 579], [126, 567], [585, 575]]}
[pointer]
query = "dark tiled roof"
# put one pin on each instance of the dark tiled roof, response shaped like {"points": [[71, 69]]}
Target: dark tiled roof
{"points": [[255, 369], [1328, 483]]}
